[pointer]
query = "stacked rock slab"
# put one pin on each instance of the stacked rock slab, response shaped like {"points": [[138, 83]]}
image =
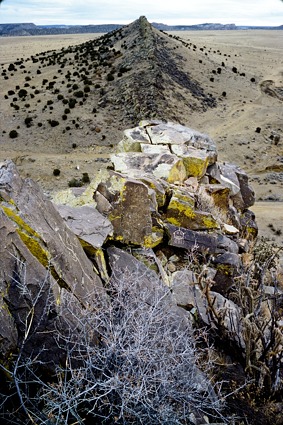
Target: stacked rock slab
{"points": [[199, 193], [166, 188]]}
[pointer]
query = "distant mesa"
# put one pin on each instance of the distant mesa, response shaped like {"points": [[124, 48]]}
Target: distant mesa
{"points": [[17, 29]]}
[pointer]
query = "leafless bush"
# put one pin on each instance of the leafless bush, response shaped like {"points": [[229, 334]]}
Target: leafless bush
{"points": [[259, 332], [131, 361]]}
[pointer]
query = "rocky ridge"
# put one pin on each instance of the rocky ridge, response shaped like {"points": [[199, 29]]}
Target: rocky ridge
{"points": [[167, 209]]}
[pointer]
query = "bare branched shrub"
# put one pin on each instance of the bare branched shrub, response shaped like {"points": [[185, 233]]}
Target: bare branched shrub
{"points": [[259, 333], [132, 360]]}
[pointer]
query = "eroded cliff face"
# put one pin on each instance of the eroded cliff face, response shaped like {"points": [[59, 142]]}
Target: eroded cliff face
{"points": [[167, 208]]}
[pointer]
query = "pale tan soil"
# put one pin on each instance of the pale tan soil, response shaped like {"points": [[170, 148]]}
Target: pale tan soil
{"points": [[12, 48], [231, 124]]}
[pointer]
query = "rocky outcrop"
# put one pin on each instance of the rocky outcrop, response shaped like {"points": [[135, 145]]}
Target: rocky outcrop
{"points": [[166, 197], [167, 188], [39, 256]]}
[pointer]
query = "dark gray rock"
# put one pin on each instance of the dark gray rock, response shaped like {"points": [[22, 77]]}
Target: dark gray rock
{"points": [[46, 235], [211, 243], [91, 227]]}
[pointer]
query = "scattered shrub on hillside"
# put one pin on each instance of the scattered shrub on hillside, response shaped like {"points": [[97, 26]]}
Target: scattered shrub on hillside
{"points": [[11, 67], [72, 103], [79, 93], [110, 77], [53, 123], [56, 172], [85, 178], [13, 134], [22, 93], [75, 183], [28, 121]]}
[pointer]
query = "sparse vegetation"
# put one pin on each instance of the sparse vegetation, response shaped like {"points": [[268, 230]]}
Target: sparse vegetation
{"points": [[13, 134]]}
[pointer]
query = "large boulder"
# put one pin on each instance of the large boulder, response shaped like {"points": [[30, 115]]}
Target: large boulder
{"points": [[45, 234], [131, 204]]}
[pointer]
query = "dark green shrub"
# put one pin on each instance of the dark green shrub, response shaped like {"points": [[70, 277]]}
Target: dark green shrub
{"points": [[110, 77], [53, 123], [13, 134], [11, 67], [72, 103], [75, 183], [22, 93], [56, 172], [28, 122], [79, 93], [85, 178]]}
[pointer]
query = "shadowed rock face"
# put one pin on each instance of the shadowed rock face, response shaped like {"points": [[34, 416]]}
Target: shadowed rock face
{"points": [[154, 73]]}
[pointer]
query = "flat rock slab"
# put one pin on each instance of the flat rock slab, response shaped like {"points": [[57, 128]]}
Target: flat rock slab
{"points": [[212, 243], [91, 227], [177, 134]]}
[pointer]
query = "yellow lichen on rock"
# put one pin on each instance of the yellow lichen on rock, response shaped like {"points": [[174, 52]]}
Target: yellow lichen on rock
{"points": [[195, 167]]}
